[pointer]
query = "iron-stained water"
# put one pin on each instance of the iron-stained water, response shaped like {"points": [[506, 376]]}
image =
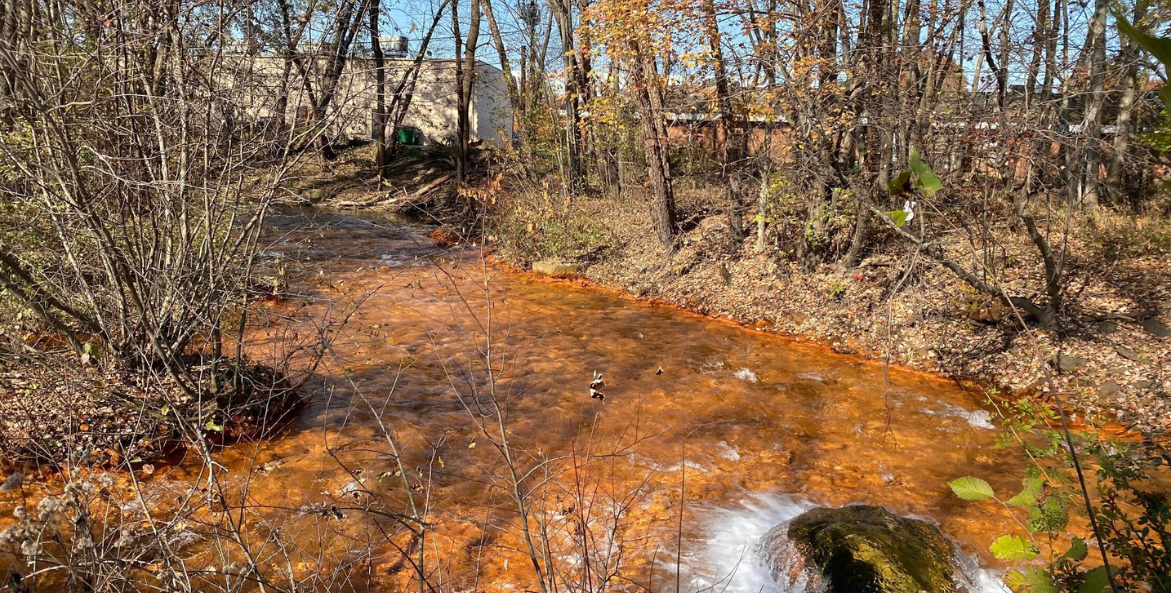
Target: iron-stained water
{"points": [[708, 433]]}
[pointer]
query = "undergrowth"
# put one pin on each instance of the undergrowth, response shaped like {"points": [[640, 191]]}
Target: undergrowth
{"points": [[1117, 235], [1128, 516], [532, 228]]}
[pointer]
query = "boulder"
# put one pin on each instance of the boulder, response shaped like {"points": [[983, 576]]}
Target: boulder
{"points": [[1132, 354], [865, 549], [556, 270], [1156, 328], [1067, 363], [317, 196], [1109, 389]]}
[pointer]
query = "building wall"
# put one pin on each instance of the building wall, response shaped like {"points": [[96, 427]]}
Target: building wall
{"points": [[706, 134], [433, 107], [492, 109]]}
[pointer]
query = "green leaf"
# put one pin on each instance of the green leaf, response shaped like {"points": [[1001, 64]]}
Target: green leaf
{"points": [[212, 426], [1050, 516], [1077, 550], [898, 185], [1013, 548], [925, 178], [166, 409], [1159, 47], [1034, 485], [899, 216], [1096, 580], [1033, 579], [1024, 500], [970, 488]]}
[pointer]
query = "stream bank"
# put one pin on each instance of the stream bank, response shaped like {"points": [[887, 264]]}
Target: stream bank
{"points": [[708, 435], [1109, 357], [57, 413]]}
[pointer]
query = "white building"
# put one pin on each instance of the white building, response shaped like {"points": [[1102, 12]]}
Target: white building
{"points": [[432, 111], [433, 106]]}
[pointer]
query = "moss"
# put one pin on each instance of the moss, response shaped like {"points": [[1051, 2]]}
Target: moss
{"points": [[868, 549]]}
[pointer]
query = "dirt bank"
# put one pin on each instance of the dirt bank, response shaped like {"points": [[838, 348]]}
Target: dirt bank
{"points": [[56, 412], [1108, 357]]}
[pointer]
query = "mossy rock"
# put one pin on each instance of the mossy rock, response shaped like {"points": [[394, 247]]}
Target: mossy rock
{"points": [[556, 270], [317, 196], [868, 549]]}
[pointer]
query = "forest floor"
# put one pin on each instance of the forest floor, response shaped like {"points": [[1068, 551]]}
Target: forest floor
{"points": [[1109, 356], [56, 411]]}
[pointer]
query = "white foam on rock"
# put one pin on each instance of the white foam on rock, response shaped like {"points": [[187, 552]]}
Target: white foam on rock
{"points": [[729, 559], [729, 452]]}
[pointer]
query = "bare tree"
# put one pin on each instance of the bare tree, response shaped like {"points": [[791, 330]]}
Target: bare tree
{"points": [[465, 79]]}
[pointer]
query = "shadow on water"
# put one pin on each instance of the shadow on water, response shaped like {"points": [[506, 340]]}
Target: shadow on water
{"points": [[698, 417]]}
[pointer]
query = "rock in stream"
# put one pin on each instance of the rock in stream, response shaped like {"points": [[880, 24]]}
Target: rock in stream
{"points": [[859, 549]]}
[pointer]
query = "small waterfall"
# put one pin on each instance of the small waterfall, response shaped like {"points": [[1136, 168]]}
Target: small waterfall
{"points": [[788, 569], [747, 550]]}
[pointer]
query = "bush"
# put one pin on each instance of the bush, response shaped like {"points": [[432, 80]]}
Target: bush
{"points": [[528, 231]]}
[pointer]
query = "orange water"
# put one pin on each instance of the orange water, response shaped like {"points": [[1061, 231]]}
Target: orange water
{"points": [[702, 423]]}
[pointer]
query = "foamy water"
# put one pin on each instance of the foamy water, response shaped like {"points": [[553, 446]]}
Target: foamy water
{"points": [[730, 560], [974, 418], [745, 375]]}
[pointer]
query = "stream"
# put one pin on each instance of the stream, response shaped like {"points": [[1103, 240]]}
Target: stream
{"points": [[709, 434]]}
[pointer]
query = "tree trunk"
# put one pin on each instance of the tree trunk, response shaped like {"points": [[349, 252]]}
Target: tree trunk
{"points": [[381, 152], [465, 74], [729, 147], [563, 14], [1039, 30], [1115, 176], [650, 106], [1093, 120], [863, 101], [514, 96], [404, 91], [348, 24]]}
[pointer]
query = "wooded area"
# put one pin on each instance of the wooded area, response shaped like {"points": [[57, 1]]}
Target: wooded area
{"points": [[978, 188], [811, 109]]}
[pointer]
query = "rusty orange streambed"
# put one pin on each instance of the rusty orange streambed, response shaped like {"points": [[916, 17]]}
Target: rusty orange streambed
{"points": [[707, 431]]}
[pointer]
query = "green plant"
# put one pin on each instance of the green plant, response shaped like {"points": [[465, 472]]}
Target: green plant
{"points": [[1041, 510], [779, 201], [918, 177], [837, 288], [1131, 517], [1132, 514], [531, 230]]}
